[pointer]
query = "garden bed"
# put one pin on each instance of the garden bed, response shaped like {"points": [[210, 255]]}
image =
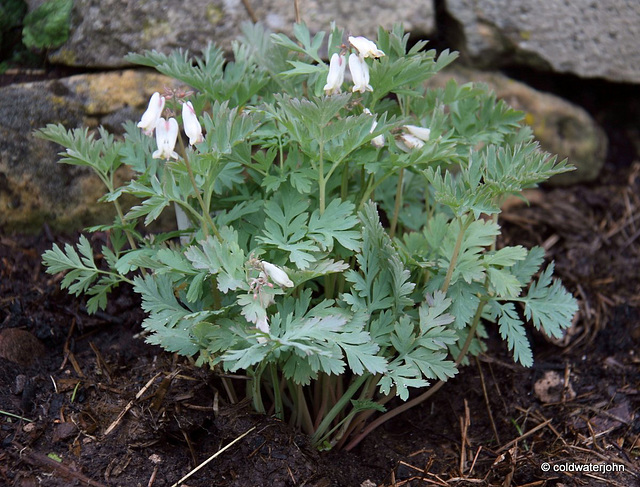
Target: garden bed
{"points": [[89, 403]]}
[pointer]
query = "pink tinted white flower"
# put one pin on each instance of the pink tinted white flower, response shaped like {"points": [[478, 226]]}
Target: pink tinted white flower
{"points": [[192, 126], [337, 65], [422, 133], [277, 275], [151, 116], [365, 47], [359, 73], [166, 136]]}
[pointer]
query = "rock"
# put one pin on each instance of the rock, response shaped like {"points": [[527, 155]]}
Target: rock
{"points": [[416, 17], [561, 127], [34, 188], [589, 39], [104, 31], [20, 346], [551, 388], [64, 431]]}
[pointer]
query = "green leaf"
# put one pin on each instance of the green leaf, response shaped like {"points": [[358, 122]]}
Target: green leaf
{"points": [[336, 223], [549, 305], [286, 228], [168, 321], [223, 258], [512, 329]]}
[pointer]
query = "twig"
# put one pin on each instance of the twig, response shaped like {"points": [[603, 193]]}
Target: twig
{"points": [[523, 436], [130, 404], [486, 401], [213, 456], [60, 468], [250, 11]]}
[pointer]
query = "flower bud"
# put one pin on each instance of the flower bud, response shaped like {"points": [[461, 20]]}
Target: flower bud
{"points": [[192, 126], [166, 136], [365, 47], [421, 132], [335, 77], [377, 141], [411, 141], [277, 275], [359, 73], [151, 116]]}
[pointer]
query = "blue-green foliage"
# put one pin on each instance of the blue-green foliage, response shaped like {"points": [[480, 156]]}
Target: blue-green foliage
{"points": [[310, 251]]}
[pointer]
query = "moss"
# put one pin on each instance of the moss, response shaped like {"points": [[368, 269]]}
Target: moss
{"points": [[65, 56], [214, 14]]}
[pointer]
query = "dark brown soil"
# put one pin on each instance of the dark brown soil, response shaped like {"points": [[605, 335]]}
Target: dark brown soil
{"points": [[84, 401]]}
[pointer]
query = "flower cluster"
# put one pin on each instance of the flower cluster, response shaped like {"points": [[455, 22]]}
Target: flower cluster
{"points": [[167, 130], [357, 66]]}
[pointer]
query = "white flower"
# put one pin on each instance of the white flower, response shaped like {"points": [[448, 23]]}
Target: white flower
{"points": [[191, 124], [359, 73], [365, 47], [151, 116], [335, 77], [421, 132], [277, 275], [377, 141], [411, 141], [166, 136]]}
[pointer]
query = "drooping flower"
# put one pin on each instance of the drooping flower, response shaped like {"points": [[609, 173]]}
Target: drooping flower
{"points": [[263, 324], [277, 275], [151, 116], [166, 136], [337, 65], [192, 126], [377, 141], [365, 47], [411, 141], [422, 133], [359, 73]]}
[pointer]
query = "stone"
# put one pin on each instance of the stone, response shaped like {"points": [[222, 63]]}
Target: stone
{"points": [[20, 346], [560, 126], [34, 188], [589, 39], [104, 31]]}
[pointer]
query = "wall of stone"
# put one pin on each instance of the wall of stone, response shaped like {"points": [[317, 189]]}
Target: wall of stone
{"points": [[586, 39]]}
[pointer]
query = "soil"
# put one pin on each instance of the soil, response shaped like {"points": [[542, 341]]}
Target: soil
{"points": [[84, 401]]}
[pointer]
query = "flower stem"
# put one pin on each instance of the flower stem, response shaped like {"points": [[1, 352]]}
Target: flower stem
{"points": [[319, 434], [277, 397], [205, 209], [398, 204], [456, 252]]}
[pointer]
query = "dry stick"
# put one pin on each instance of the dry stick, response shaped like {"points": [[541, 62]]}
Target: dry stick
{"points": [[213, 456], [296, 8], [523, 436], [250, 11], [486, 401], [130, 404], [38, 459], [464, 428]]}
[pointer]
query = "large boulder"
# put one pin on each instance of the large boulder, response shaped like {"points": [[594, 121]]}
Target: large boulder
{"points": [[590, 39], [561, 127], [34, 188], [104, 31]]}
